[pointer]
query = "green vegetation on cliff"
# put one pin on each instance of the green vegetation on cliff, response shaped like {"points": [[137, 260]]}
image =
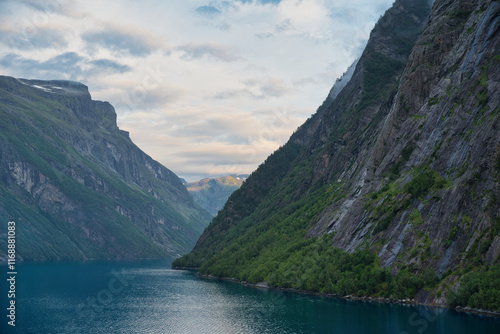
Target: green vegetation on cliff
{"points": [[76, 185], [478, 289], [392, 188], [233, 221], [281, 200]]}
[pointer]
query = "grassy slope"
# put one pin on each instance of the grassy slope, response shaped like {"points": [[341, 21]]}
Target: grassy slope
{"points": [[32, 128], [267, 241]]}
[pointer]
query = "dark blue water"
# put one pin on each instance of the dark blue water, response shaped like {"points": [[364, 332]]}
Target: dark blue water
{"points": [[149, 297]]}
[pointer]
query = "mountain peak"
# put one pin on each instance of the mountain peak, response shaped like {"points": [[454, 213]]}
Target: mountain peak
{"points": [[60, 87], [78, 186], [212, 193]]}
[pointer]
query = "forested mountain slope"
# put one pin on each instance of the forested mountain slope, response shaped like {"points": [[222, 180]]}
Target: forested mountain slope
{"points": [[392, 188], [76, 185]]}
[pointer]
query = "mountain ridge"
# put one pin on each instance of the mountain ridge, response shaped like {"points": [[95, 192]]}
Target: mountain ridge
{"points": [[399, 173], [212, 193], [78, 187]]}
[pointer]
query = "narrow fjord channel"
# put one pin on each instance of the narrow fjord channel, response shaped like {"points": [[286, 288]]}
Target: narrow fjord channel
{"points": [[149, 297]]}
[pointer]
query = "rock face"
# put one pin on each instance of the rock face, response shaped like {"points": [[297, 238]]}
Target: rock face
{"points": [[76, 185], [212, 193], [411, 146], [445, 118]]}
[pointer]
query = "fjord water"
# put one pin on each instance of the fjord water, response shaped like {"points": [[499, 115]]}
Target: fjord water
{"points": [[149, 297]]}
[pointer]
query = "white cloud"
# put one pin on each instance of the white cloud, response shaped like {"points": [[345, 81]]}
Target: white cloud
{"points": [[209, 50], [121, 39], [206, 87]]}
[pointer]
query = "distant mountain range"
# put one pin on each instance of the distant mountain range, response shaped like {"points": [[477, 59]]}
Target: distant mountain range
{"points": [[76, 185], [212, 193]]}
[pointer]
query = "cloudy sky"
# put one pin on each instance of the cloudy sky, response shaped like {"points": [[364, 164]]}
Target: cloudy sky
{"points": [[206, 87]]}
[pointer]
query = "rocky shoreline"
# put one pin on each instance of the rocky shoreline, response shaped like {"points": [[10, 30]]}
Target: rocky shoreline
{"points": [[407, 301]]}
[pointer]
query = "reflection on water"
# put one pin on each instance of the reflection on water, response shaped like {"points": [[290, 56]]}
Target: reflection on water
{"points": [[149, 297]]}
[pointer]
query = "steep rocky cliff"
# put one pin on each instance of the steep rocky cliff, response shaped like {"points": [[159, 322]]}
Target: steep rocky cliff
{"points": [[403, 164], [76, 185]]}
